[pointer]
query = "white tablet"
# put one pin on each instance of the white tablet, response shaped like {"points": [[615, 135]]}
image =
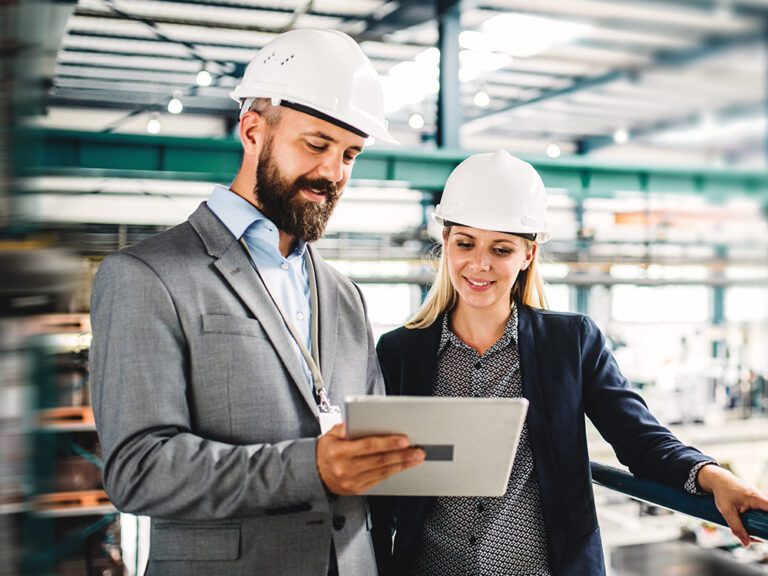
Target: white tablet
{"points": [[470, 442]]}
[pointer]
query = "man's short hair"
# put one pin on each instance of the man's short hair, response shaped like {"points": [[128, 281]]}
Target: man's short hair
{"points": [[269, 112]]}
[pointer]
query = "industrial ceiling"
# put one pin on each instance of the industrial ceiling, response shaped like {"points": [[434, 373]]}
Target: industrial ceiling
{"points": [[657, 81]]}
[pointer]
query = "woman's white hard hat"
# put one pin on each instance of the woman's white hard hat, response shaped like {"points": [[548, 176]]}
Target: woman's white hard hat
{"points": [[321, 72], [496, 191]]}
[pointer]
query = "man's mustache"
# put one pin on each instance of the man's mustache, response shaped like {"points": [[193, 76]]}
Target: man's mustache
{"points": [[330, 189]]}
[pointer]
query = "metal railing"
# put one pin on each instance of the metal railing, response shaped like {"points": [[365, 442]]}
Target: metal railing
{"points": [[658, 494]]}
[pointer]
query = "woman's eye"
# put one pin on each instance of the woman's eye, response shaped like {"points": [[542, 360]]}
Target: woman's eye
{"points": [[503, 251], [465, 245]]}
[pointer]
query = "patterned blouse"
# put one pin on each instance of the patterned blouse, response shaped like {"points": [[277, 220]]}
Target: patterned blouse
{"points": [[485, 536], [489, 536]]}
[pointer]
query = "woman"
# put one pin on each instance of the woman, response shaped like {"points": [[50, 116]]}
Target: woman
{"points": [[483, 331]]}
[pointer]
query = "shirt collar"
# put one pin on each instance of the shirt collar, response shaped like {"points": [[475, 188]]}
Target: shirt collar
{"points": [[238, 215], [509, 336]]}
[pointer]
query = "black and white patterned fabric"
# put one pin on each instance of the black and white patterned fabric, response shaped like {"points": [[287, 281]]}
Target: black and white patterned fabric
{"points": [[691, 486], [485, 536]]}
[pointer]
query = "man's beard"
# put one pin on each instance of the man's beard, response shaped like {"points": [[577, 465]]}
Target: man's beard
{"points": [[281, 201]]}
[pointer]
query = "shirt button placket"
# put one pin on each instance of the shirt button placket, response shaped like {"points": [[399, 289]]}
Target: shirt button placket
{"points": [[477, 379]]}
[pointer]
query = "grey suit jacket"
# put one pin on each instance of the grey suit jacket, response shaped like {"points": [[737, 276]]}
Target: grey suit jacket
{"points": [[204, 414]]}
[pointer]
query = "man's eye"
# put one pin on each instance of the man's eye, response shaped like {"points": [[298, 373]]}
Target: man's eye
{"points": [[349, 158], [315, 147]]}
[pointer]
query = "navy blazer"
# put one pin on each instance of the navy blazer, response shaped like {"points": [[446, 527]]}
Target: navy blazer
{"points": [[567, 372]]}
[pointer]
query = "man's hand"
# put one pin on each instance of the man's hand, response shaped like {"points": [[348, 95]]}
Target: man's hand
{"points": [[350, 467], [733, 497]]}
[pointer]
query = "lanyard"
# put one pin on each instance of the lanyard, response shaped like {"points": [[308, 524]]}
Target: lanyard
{"points": [[311, 358]]}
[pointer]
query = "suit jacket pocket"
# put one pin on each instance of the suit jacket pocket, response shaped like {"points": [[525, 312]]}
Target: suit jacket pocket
{"points": [[226, 324], [172, 541]]}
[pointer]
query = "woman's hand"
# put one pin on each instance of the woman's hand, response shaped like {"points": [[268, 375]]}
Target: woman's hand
{"points": [[733, 497]]}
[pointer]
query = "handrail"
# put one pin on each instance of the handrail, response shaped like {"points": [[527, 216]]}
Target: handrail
{"points": [[677, 499]]}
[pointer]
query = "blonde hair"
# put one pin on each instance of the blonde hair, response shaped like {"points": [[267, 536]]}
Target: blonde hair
{"points": [[528, 290]]}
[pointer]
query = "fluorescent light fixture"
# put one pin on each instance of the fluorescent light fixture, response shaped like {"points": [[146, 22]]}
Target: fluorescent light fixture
{"points": [[409, 83], [473, 63], [621, 136], [521, 35]]}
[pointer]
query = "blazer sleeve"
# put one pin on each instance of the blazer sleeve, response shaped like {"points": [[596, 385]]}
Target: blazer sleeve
{"points": [[154, 463], [620, 414]]}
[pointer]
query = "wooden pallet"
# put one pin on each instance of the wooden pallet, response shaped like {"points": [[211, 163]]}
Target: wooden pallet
{"points": [[77, 503], [67, 418]]}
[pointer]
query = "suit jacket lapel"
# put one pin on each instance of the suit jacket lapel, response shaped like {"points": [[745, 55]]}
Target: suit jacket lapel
{"points": [[328, 320], [425, 359], [238, 272], [545, 463]]}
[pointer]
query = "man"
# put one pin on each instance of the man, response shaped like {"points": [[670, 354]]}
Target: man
{"points": [[221, 345]]}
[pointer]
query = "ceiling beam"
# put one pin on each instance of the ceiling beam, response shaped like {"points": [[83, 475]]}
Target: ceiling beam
{"points": [[661, 60], [735, 112]]}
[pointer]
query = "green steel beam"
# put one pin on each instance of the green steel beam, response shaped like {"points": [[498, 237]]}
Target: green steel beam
{"points": [[62, 152]]}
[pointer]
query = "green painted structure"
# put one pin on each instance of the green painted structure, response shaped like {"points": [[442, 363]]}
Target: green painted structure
{"points": [[62, 152]]}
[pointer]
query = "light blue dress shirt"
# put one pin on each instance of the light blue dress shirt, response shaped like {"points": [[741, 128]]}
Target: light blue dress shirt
{"points": [[286, 278]]}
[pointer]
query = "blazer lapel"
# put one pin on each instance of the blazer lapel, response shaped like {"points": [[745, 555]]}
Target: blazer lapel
{"points": [[425, 360], [238, 272], [328, 298], [538, 433]]}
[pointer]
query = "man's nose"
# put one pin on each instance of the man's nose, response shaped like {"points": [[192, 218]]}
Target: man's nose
{"points": [[332, 168]]}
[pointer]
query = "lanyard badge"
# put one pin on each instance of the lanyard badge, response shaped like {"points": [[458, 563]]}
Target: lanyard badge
{"points": [[328, 414]]}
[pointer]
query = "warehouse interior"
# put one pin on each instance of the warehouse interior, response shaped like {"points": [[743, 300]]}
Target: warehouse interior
{"points": [[647, 120]]}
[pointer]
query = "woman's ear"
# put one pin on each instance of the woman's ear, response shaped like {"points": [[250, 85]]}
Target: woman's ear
{"points": [[530, 255]]}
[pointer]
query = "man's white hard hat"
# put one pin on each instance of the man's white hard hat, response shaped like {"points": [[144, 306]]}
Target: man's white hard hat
{"points": [[323, 73], [496, 191]]}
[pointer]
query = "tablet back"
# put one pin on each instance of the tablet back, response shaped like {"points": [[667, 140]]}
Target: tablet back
{"points": [[470, 442]]}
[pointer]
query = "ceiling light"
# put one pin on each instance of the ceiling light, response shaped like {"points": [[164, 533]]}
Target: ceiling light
{"points": [[416, 121], [553, 150], [204, 78], [153, 126], [175, 105], [482, 99], [621, 136]]}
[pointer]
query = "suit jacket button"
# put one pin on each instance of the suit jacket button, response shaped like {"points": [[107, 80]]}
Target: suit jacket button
{"points": [[338, 522]]}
